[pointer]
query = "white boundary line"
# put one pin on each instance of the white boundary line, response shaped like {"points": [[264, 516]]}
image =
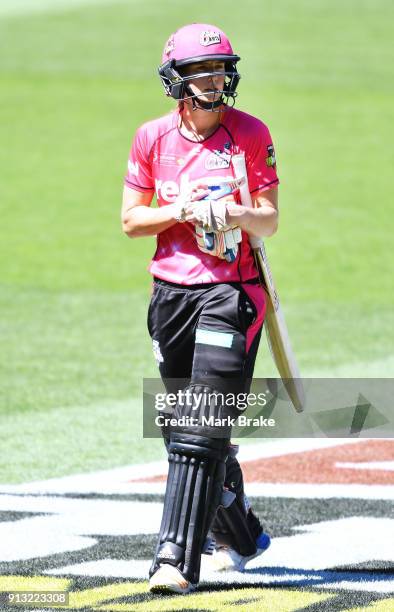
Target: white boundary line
{"points": [[118, 480], [288, 446]]}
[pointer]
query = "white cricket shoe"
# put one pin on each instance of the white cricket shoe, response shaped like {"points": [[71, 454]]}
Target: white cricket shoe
{"points": [[168, 579], [226, 559]]}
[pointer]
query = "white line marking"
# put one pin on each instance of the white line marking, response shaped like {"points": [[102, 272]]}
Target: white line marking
{"points": [[105, 481], [367, 465], [320, 491], [117, 481], [277, 565], [114, 568], [371, 586], [66, 524], [287, 446]]}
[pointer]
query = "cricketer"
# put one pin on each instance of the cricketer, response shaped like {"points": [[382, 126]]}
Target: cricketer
{"points": [[207, 307]]}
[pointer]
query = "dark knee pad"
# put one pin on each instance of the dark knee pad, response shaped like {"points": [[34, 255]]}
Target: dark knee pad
{"points": [[194, 487]]}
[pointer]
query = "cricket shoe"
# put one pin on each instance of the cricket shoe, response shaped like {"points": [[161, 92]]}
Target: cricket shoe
{"points": [[226, 559], [168, 579]]}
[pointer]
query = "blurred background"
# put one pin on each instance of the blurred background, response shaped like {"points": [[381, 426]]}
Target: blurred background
{"points": [[77, 78]]}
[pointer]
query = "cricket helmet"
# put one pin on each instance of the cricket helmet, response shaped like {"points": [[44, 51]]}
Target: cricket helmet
{"points": [[198, 42]]}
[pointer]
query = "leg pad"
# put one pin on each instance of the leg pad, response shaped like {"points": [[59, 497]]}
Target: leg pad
{"points": [[196, 471]]}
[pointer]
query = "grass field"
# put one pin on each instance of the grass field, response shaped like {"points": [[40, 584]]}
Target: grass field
{"points": [[77, 78]]}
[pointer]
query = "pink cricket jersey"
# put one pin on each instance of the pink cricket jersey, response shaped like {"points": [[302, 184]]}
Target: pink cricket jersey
{"points": [[163, 161]]}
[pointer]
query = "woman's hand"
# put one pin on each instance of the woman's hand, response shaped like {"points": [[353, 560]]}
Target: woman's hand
{"points": [[185, 202]]}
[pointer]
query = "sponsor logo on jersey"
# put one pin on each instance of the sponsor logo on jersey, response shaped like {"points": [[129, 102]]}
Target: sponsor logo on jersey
{"points": [[209, 37], [133, 167], [170, 190], [218, 159], [167, 159]]}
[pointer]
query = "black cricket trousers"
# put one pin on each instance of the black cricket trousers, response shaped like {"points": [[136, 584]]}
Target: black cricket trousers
{"points": [[207, 332]]}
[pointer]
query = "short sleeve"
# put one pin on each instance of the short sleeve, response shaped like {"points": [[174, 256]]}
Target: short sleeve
{"points": [[139, 168], [261, 160]]}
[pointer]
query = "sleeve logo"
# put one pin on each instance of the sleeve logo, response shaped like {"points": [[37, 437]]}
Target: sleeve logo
{"points": [[271, 159]]}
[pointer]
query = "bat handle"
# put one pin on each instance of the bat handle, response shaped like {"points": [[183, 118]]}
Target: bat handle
{"points": [[209, 240]]}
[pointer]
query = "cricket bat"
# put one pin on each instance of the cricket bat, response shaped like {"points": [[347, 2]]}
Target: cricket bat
{"points": [[275, 324]]}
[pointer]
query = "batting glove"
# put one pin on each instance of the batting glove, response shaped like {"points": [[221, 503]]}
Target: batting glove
{"points": [[222, 244]]}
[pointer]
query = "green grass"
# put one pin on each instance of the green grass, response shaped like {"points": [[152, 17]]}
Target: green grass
{"points": [[67, 348], [73, 296], [74, 439]]}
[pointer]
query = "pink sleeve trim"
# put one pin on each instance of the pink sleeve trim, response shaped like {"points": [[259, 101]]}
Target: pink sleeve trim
{"points": [[266, 186], [137, 187]]}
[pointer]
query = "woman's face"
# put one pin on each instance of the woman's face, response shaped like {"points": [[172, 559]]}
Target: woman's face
{"points": [[201, 85]]}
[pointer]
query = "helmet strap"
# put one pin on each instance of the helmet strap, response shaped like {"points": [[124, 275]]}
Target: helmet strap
{"points": [[198, 104]]}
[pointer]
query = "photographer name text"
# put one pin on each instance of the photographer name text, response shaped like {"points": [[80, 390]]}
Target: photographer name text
{"points": [[187, 421]]}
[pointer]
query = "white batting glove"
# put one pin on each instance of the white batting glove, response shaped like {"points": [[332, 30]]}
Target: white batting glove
{"points": [[180, 210], [188, 198], [222, 244], [211, 215]]}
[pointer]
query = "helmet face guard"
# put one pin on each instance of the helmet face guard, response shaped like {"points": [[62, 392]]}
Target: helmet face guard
{"points": [[177, 86], [199, 43]]}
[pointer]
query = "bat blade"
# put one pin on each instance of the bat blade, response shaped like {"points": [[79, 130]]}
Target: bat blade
{"points": [[278, 336], [275, 324]]}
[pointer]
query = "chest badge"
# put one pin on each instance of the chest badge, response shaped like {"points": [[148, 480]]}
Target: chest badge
{"points": [[218, 159]]}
